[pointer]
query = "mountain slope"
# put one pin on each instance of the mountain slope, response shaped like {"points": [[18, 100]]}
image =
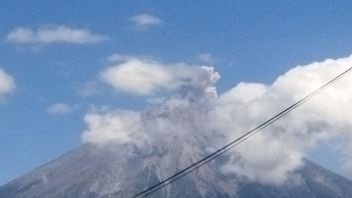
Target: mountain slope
{"points": [[91, 171]]}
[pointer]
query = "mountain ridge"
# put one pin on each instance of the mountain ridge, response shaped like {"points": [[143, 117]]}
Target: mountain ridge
{"points": [[91, 171]]}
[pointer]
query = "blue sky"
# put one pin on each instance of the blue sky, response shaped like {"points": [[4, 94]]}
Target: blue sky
{"points": [[248, 41]]}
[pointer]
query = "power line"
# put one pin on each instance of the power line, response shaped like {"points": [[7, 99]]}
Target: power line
{"points": [[237, 141]]}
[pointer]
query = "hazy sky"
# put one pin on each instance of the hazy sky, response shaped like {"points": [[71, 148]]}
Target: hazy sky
{"points": [[53, 51]]}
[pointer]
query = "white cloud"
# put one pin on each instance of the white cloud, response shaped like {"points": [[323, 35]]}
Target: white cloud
{"points": [[270, 156], [59, 108], [145, 20], [137, 77], [7, 83], [197, 124], [264, 159], [116, 126], [53, 34], [146, 76]]}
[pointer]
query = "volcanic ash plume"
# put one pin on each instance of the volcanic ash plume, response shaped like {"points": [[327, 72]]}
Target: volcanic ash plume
{"points": [[188, 113]]}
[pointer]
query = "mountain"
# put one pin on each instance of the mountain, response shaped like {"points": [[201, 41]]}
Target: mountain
{"points": [[119, 171]]}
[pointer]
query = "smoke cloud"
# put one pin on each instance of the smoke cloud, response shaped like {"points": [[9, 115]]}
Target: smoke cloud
{"points": [[194, 111]]}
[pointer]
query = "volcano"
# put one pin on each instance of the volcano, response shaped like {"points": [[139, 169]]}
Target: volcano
{"points": [[120, 171]]}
